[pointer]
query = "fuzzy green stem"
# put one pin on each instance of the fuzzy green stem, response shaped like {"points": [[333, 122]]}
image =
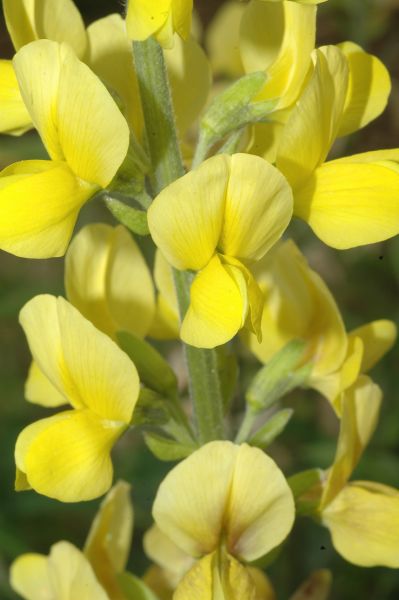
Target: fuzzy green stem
{"points": [[167, 166]]}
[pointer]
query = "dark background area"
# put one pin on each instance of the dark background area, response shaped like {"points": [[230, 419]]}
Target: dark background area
{"points": [[365, 282]]}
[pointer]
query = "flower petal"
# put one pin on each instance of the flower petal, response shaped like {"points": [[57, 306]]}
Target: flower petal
{"points": [[40, 390], [258, 208], [166, 322], [108, 544], [90, 133], [67, 457], [29, 577], [163, 552], [20, 19], [14, 118], [39, 205], [378, 338], [61, 21], [181, 14], [349, 204], [369, 87], [205, 500], [217, 307], [222, 40], [364, 525], [186, 218], [144, 17], [315, 118], [82, 362]]}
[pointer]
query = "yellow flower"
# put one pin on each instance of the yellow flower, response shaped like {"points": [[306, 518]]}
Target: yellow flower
{"points": [[224, 505], [350, 201], [362, 516], [87, 140], [165, 325], [161, 19], [216, 219], [71, 574], [299, 305], [67, 456]]}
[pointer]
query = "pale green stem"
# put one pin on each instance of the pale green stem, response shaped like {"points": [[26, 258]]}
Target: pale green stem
{"points": [[163, 146], [246, 426]]}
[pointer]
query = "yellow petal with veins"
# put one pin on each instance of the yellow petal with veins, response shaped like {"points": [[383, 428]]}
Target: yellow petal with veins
{"points": [[61, 21], [20, 21], [14, 118], [40, 390], [378, 338]]}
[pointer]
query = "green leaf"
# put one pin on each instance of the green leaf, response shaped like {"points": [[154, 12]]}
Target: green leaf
{"points": [[278, 377], [228, 373], [154, 371], [132, 218], [167, 449], [271, 429], [151, 409], [134, 588]]}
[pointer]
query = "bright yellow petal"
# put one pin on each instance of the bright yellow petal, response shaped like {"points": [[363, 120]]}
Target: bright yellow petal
{"points": [[29, 577], [217, 308], [258, 208], [360, 410], [82, 362], [108, 543], [186, 218], [90, 133], [198, 583], [39, 205], [181, 15], [20, 19], [144, 17], [222, 40], [67, 457], [14, 118], [351, 204], [102, 267], [190, 80], [365, 526], [61, 21], [163, 552], [110, 57], [40, 390], [369, 87], [315, 118], [285, 53], [71, 574], [205, 498], [378, 338]]}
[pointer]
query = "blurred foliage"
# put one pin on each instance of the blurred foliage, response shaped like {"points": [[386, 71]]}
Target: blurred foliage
{"points": [[365, 282]]}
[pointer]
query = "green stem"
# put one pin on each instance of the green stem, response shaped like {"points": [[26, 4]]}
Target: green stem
{"points": [[163, 146], [246, 426]]}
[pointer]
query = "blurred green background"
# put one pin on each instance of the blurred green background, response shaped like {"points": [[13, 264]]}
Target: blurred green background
{"points": [[365, 282]]}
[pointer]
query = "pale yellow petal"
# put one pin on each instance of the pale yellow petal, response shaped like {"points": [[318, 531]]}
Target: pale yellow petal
{"points": [[166, 322], [61, 21], [285, 52], [29, 577], [20, 20], [360, 410], [67, 457], [315, 118], [258, 208], [378, 338], [71, 574], [256, 523], [186, 218], [144, 17], [110, 56], [90, 133], [181, 15], [365, 526], [205, 498], [190, 79], [369, 86], [198, 583], [163, 552], [349, 204], [223, 38], [14, 118], [83, 363], [39, 206], [108, 544], [40, 390], [217, 308]]}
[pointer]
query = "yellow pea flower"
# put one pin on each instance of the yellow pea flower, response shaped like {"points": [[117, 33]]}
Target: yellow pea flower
{"points": [[87, 141], [165, 325], [71, 574], [204, 508], [216, 219], [67, 456], [298, 304], [350, 201], [161, 19], [362, 516]]}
